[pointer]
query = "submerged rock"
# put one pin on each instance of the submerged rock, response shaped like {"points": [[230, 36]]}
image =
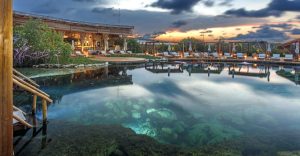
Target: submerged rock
{"points": [[211, 133], [135, 114]]}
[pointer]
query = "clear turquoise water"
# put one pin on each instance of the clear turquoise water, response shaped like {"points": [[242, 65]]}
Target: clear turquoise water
{"points": [[189, 111]]}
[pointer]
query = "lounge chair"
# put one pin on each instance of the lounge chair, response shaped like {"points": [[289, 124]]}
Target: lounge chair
{"points": [[240, 55], [122, 52], [261, 56], [215, 55], [205, 55], [111, 52], [288, 57], [186, 54], [227, 55], [78, 53], [174, 54], [166, 54], [93, 52], [275, 57], [196, 54]]}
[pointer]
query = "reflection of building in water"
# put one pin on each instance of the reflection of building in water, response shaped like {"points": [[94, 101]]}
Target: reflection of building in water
{"points": [[206, 68], [84, 36], [292, 74], [164, 67], [82, 81], [249, 69]]}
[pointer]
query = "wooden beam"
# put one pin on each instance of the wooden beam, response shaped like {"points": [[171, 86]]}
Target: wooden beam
{"points": [[6, 84], [29, 85], [35, 92], [25, 78], [23, 122]]}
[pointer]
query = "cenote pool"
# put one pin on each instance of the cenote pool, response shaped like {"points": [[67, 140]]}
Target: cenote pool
{"points": [[194, 110]]}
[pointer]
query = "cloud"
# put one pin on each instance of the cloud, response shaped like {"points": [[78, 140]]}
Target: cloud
{"points": [[281, 25], [47, 7], [179, 23], [103, 10], [226, 3], [275, 8], [265, 33], [295, 31], [257, 13], [176, 6], [209, 3]]}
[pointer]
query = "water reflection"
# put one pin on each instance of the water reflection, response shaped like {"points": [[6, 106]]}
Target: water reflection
{"points": [[190, 105]]}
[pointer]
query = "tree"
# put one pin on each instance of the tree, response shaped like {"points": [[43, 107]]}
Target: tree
{"points": [[35, 42], [134, 46], [196, 44]]}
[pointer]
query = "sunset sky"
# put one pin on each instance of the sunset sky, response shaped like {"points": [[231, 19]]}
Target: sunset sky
{"points": [[172, 20]]}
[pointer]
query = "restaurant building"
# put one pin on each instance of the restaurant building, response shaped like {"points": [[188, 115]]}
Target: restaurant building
{"points": [[83, 35]]}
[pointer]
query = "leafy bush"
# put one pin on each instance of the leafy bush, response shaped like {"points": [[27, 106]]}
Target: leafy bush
{"points": [[35, 42]]}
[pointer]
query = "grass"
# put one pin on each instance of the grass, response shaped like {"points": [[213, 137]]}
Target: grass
{"points": [[77, 60]]}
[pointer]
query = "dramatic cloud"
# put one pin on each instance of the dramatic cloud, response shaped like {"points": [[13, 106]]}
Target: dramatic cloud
{"points": [[47, 7], [295, 31], [275, 8], [103, 10], [226, 3], [209, 3], [178, 24], [176, 6], [265, 33]]}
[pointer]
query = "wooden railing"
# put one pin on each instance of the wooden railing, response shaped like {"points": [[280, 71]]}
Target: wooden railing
{"points": [[29, 85]]}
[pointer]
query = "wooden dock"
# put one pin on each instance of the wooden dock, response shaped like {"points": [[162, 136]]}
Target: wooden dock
{"points": [[266, 61]]}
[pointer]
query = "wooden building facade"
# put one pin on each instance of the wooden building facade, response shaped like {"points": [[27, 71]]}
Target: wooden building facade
{"points": [[85, 36]]}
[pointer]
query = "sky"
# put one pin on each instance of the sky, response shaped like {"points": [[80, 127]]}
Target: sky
{"points": [[173, 20]]}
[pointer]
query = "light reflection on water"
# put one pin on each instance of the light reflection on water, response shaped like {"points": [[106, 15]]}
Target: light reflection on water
{"points": [[184, 109]]}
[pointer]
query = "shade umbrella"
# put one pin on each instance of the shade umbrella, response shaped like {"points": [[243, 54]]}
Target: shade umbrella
{"points": [[297, 48], [125, 45], [209, 48], [269, 49], [190, 47], [233, 48], [169, 47]]}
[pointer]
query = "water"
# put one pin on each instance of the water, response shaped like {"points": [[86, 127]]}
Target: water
{"points": [[196, 110]]}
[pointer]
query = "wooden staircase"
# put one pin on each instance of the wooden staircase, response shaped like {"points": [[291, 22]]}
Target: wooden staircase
{"points": [[30, 86]]}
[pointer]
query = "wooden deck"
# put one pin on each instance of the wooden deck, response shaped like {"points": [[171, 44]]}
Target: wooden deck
{"points": [[279, 62]]}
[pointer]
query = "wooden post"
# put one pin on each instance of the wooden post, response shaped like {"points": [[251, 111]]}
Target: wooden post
{"points": [[44, 105], [34, 104], [6, 83]]}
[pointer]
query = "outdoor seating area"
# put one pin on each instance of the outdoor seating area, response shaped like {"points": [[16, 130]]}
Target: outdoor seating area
{"points": [[235, 57]]}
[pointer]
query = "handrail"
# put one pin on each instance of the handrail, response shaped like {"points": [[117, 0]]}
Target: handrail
{"points": [[33, 91], [22, 121], [29, 85], [25, 78]]}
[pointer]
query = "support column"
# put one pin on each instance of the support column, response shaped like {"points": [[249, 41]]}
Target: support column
{"points": [[106, 38], [82, 38], [6, 72], [125, 44]]}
